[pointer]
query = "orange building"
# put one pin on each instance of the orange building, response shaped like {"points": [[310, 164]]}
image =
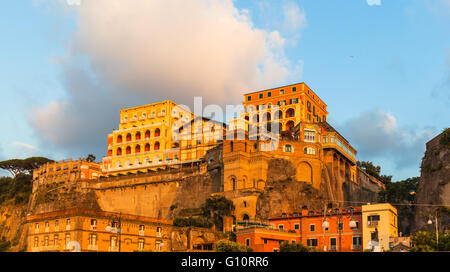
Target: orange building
{"points": [[342, 231], [65, 171]]}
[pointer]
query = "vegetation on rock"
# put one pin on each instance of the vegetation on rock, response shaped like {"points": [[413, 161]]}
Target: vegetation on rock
{"points": [[228, 246]]}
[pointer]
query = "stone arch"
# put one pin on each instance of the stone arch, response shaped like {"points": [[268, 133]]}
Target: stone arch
{"points": [[128, 150], [278, 115], [290, 124], [119, 139], [147, 134], [119, 151], [137, 149], [157, 146], [128, 138], [147, 147], [304, 172], [290, 113], [245, 217], [233, 183], [137, 136], [157, 132]]}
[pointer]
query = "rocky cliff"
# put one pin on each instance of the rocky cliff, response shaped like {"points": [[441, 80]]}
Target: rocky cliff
{"points": [[434, 185], [12, 231]]}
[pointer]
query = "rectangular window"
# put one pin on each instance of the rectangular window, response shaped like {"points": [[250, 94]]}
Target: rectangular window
{"points": [[158, 231], [311, 242], [340, 226], [67, 238], [247, 242], [141, 243], [46, 241], [281, 227], [249, 98], [261, 95], [309, 136], [158, 246], [296, 226], [294, 89], [269, 94], [93, 239], [312, 228], [56, 240], [36, 241], [281, 91]]}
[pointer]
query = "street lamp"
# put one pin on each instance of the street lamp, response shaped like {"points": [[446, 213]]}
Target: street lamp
{"points": [[339, 215], [115, 228], [430, 222]]}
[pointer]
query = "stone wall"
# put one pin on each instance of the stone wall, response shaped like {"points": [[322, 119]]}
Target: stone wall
{"points": [[434, 185]]}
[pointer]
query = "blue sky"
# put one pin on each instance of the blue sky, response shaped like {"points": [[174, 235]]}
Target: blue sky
{"points": [[383, 69]]}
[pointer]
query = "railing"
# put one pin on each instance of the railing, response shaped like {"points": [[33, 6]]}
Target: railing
{"points": [[356, 247], [113, 249], [332, 248], [372, 224], [158, 234], [141, 233], [93, 227], [93, 247]]}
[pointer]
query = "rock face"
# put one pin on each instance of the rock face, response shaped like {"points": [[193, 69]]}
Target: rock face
{"points": [[284, 194], [12, 228], [434, 185]]}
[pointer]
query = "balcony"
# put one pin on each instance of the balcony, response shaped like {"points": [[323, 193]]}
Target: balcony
{"points": [[158, 234], [94, 227], [372, 224], [67, 227], [332, 248], [356, 247], [141, 233], [151, 116], [113, 249], [133, 119], [93, 247]]}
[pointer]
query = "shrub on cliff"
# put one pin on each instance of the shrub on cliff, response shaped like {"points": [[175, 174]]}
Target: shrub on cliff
{"points": [[445, 138], [17, 189], [192, 221], [216, 208]]}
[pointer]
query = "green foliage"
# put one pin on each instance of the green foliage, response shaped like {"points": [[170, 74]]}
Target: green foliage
{"points": [[374, 171], [293, 247], [425, 241], [26, 166], [90, 158], [216, 208], [17, 189], [401, 192], [228, 246], [445, 138], [193, 221]]}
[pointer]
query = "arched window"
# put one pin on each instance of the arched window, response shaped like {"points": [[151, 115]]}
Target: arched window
{"points": [[128, 137], [156, 146], [266, 117], [233, 181], [147, 148], [119, 139], [128, 150], [119, 151], [157, 132], [138, 136], [147, 134], [137, 149], [290, 113], [290, 125], [255, 118], [246, 218]]}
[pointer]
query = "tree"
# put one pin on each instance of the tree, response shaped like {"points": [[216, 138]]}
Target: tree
{"points": [[425, 241], [26, 166], [374, 171], [216, 208], [90, 158], [445, 138], [228, 246], [293, 247]]}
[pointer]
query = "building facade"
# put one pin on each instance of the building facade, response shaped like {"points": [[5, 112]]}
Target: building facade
{"points": [[380, 226]]}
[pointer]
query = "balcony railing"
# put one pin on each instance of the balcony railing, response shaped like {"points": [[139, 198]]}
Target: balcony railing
{"points": [[158, 234], [356, 247], [93, 247], [141, 233], [93, 227], [332, 248], [372, 224], [113, 248]]}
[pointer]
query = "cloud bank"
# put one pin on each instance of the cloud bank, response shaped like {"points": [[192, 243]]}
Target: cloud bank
{"points": [[374, 2], [375, 134], [129, 54]]}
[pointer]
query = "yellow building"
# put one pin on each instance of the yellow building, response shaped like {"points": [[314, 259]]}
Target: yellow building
{"points": [[144, 139], [380, 225]]}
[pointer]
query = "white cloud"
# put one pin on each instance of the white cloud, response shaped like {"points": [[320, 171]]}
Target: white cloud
{"points": [[294, 17], [25, 146], [128, 54], [374, 2], [376, 134]]}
